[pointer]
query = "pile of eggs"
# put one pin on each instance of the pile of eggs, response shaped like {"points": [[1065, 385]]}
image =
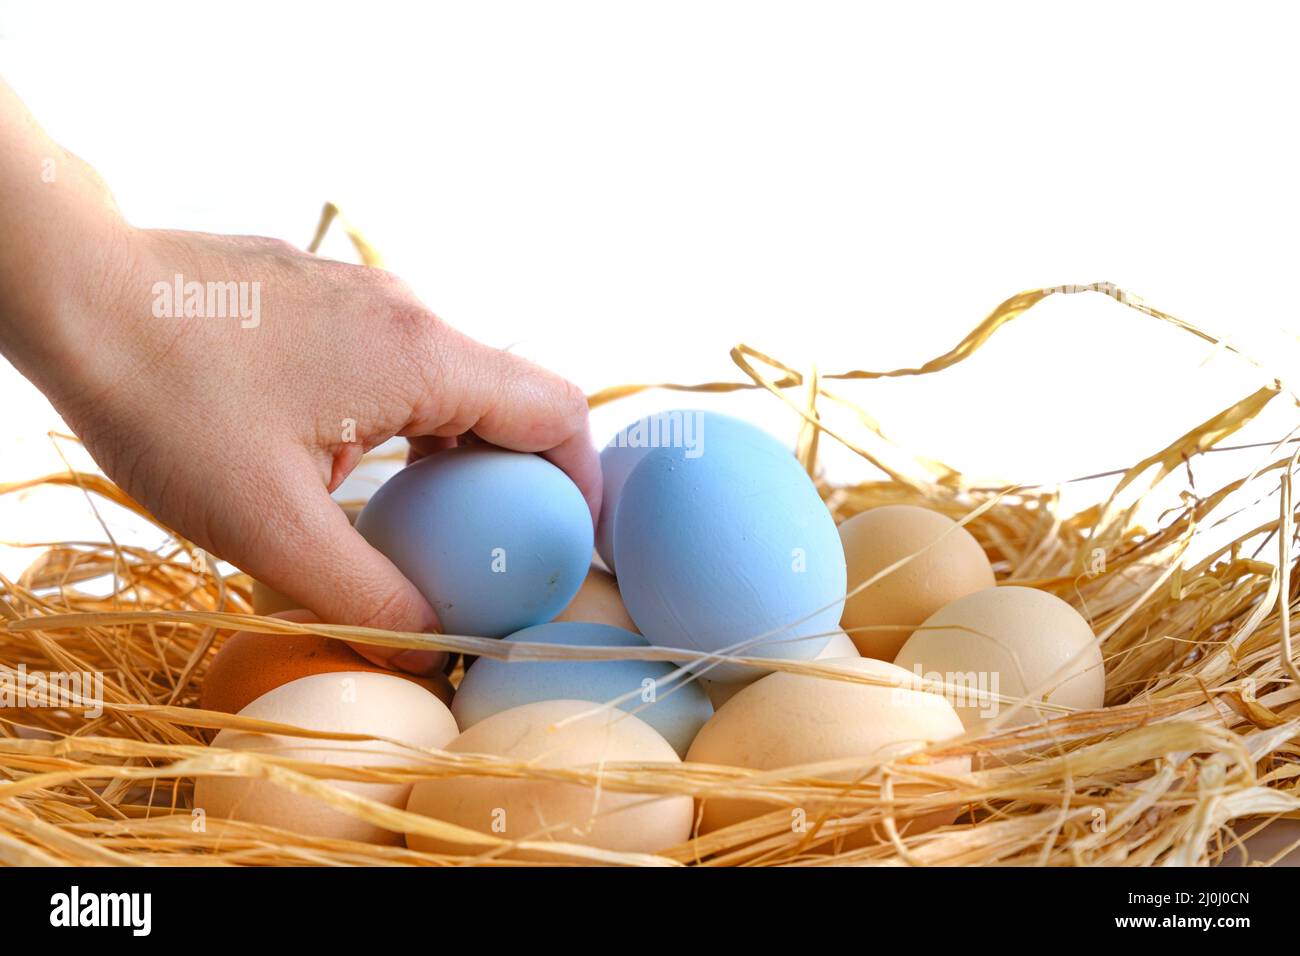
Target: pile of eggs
{"points": [[712, 540]]}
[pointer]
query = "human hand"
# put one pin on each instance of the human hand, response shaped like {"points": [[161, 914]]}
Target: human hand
{"points": [[235, 430]]}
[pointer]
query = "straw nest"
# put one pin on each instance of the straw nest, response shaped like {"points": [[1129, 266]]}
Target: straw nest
{"points": [[1201, 726]]}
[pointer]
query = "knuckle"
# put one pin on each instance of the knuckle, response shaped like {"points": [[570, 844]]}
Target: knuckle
{"points": [[574, 401], [393, 610]]}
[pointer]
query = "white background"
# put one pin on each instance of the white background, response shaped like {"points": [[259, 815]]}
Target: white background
{"points": [[625, 191]]}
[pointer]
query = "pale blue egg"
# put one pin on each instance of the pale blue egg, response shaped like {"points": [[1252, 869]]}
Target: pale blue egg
{"points": [[495, 540], [676, 709], [728, 546], [684, 429]]}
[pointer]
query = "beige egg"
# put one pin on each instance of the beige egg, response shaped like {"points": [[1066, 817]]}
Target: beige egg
{"points": [[598, 602], [840, 645], [788, 720], [719, 693], [341, 702], [1012, 641], [547, 810], [267, 600], [952, 565]]}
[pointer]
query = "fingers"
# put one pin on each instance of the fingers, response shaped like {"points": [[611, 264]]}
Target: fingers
{"points": [[578, 458], [509, 402], [424, 445], [314, 556]]}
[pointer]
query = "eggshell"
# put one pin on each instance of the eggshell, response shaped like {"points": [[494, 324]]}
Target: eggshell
{"points": [[249, 664], [523, 809], [952, 565], [1013, 641], [839, 645], [719, 692], [683, 429], [267, 600], [598, 602], [788, 720], [496, 540], [356, 702], [675, 709], [728, 547]]}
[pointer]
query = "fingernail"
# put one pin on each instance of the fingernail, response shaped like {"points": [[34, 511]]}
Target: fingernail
{"points": [[419, 662]]}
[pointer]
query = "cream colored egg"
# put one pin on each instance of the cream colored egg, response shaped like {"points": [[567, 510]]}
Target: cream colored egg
{"points": [[840, 645], [598, 602], [341, 702], [1012, 641], [951, 565], [545, 810], [789, 720]]}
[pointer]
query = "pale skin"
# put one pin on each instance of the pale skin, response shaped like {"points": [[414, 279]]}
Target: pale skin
{"points": [[234, 436]]}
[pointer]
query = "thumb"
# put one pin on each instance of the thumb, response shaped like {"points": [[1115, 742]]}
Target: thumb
{"points": [[319, 560]]}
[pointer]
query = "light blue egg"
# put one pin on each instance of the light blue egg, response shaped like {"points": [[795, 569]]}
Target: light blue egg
{"points": [[685, 429], [727, 546], [677, 710], [495, 540]]}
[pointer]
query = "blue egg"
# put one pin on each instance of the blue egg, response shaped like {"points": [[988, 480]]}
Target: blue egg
{"points": [[676, 709], [728, 546], [683, 429], [495, 540]]}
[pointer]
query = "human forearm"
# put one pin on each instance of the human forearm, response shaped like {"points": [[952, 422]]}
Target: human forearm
{"points": [[63, 240]]}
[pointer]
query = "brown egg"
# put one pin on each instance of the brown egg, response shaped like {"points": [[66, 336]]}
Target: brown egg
{"points": [[598, 602], [789, 720], [952, 565], [250, 664]]}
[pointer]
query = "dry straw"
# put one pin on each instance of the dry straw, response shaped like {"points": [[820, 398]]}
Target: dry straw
{"points": [[1200, 731]]}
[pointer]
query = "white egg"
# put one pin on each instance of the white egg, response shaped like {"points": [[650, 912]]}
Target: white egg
{"points": [[341, 702]]}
